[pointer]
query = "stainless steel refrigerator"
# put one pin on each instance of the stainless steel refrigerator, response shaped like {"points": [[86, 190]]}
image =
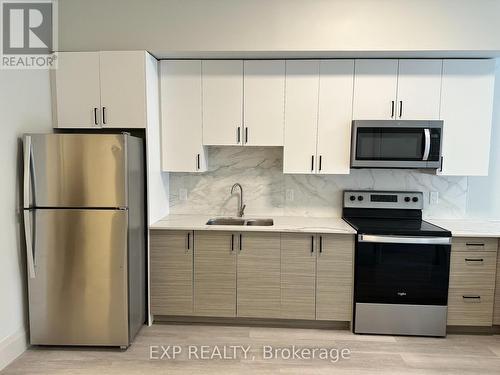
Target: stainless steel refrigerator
{"points": [[84, 226]]}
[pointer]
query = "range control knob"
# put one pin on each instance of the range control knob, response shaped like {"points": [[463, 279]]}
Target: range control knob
{"points": [[415, 199], [352, 198], [360, 198], [407, 199]]}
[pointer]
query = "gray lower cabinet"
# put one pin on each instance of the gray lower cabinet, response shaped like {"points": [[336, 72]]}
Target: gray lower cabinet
{"points": [[496, 312], [316, 276], [334, 277], [472, 281], [215, 273], [171, 272], [298, 276], [258, 280]]}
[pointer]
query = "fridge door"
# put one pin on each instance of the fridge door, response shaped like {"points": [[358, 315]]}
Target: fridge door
{"points": [[75, 170], [78, 287]]}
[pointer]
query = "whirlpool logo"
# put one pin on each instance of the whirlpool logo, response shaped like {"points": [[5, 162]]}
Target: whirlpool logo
{"points": [[28, 34]]}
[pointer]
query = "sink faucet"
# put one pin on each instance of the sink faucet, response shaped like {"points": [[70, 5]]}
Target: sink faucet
{"points": [[242, 206]]}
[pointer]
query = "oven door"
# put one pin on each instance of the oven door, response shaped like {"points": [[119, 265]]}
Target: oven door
{"points": [[396, 144], [402, 270]]}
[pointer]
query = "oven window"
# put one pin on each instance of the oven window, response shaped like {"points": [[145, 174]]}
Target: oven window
{"points": [[390, 144], [402, 273]]}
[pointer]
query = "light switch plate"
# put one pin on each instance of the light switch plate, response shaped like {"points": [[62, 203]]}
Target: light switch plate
{"points": [[183, 194], [289, 195], [434, 197]]}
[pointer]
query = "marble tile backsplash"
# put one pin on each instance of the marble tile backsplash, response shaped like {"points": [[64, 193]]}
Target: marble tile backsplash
{"points": [[260, 171]]}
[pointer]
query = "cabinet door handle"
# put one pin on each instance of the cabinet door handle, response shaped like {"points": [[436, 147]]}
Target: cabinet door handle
{"points": [[312, 163], [232, 242], [400, 108], [241, 241], [441, 164], [246, 134], [198, 161], [320, 162], [238, 136], [189, 240], [320, 244], [95, 116], [312, 244], [104, 115], [392, 109]]}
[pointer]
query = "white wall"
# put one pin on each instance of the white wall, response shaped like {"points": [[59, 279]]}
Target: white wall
{"points": [[24, 107], [484, 192], [195, 27]]}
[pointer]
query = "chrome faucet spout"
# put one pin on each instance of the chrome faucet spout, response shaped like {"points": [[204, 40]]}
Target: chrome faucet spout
{"points": [[241, 206]]}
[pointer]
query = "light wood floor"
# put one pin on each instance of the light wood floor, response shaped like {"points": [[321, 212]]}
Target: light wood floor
{"points": [[456, 354]]}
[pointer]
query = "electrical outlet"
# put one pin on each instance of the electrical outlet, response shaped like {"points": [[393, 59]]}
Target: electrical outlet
{"points": [[434, 197], [289, 195], [183, 194]]}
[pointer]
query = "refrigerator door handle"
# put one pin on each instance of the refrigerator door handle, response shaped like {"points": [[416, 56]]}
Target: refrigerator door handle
{"points": [[30, 256], [27, 171]]}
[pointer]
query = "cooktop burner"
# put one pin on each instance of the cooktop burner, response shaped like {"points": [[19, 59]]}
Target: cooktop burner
{"points": [[388, 213]]}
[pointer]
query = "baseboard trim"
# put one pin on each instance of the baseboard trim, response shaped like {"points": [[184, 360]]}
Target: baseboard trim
{"points": [[472, 330], [257, 322], [12, 347]]}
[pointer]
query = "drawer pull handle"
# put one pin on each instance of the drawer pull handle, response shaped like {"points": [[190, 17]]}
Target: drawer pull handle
{"points": [[472, 298], [474, 259], [474, 244]]}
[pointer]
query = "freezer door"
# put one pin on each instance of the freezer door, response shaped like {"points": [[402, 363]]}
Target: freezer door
{"points": [[78, 287], [75, 170]]}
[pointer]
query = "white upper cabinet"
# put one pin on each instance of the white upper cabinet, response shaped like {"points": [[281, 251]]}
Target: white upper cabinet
{"points": [[77, 102], [375, 87], [101, 89], [419, 89], [182, 149], [301, 116], [335, 116], [466, 109], [123, 93], [222, 86], [264, 100]]}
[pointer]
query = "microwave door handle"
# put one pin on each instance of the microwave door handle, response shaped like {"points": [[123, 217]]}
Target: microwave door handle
{"points": [[427, 144]]}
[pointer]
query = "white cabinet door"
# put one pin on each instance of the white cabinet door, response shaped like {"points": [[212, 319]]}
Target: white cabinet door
{"points": [[222, 82], [335, 116], [419, 89], [264, 100], [375, 84], [182, 149], [301, 116], [76, 88], [123, 89], [466, 109]]}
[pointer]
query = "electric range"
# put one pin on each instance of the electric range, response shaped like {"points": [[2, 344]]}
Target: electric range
{"points": [[401, 265]]}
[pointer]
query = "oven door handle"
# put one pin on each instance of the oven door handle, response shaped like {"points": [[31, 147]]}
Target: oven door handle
{"points": [[404, 239], [427, 144]]}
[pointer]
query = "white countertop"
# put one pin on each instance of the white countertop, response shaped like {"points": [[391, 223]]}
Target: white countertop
{"points": [[281, 224], [469, 227]]}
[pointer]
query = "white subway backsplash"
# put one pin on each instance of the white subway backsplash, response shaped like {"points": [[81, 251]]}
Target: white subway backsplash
{"points": [[260, 171]]}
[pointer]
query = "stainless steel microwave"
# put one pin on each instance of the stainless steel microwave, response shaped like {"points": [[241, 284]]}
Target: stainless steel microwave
{"points": [[396, 144]]}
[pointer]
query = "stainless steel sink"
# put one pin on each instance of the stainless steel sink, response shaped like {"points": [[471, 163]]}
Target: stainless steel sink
{"points": [[260, 222], [226, 221], [238, 221]]}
